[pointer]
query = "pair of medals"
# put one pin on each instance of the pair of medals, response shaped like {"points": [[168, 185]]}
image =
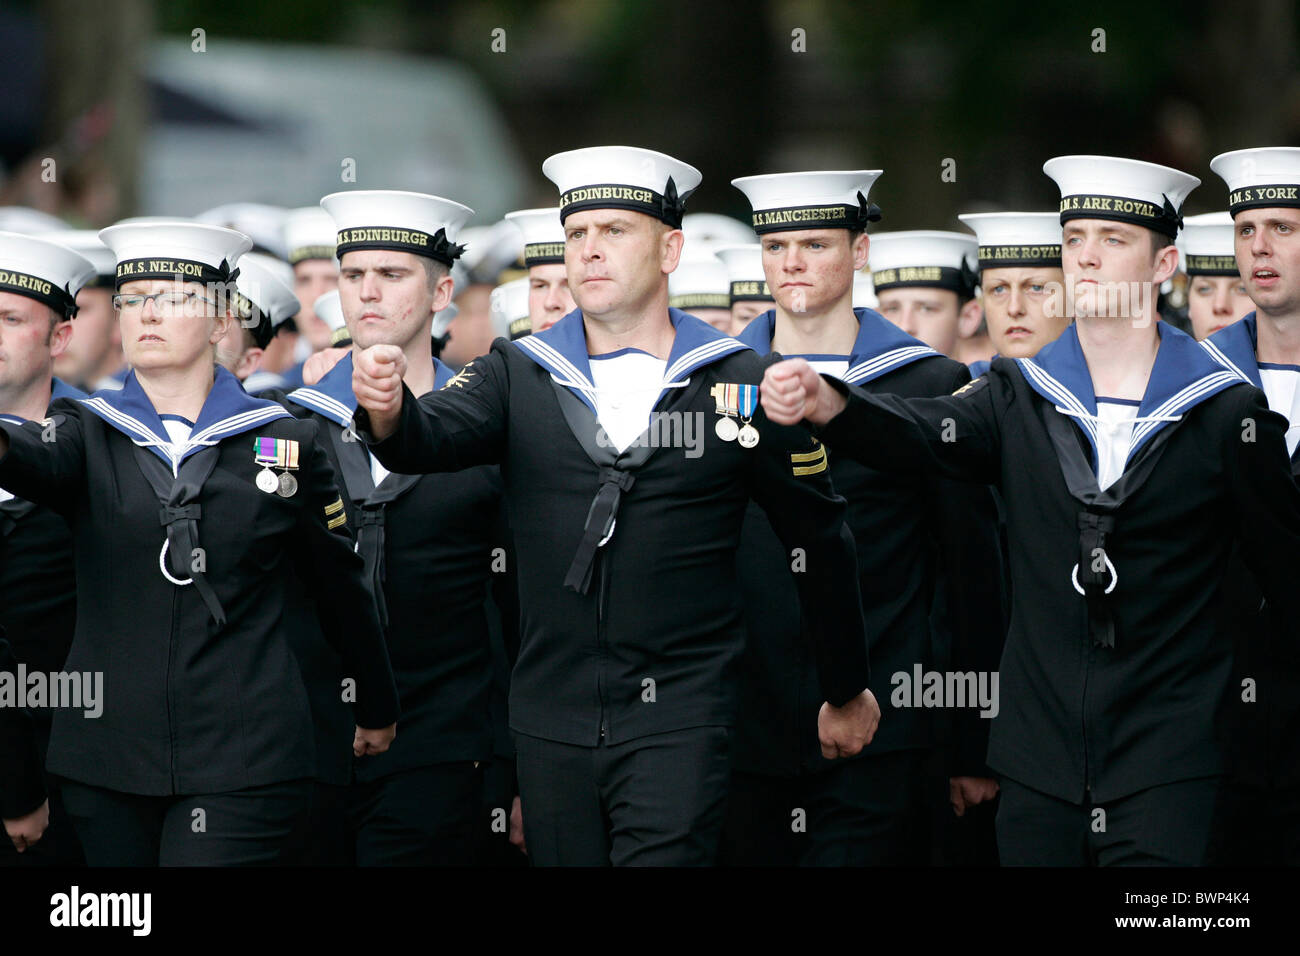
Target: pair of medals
{"points": [[734, 402], [276, 453]]}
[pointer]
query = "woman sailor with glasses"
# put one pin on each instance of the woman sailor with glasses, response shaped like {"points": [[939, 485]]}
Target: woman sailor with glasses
{"points": [[186, 498]]}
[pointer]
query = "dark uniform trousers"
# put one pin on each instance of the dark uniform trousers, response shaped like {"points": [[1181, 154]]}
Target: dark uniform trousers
{"points": [[259, 826], [871, 811], [425, 816], [1167, 825], [657, 800]]}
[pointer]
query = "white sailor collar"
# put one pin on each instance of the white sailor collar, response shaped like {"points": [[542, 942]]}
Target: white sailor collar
{"points": [[333, 396], [228, 410], [1235, 347], [880, 346], [1183, 376], [562, 351]]}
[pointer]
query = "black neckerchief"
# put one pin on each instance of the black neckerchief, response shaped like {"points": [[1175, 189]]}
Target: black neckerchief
{"points": [[181, 512], [616, 476], [1097, 519]]}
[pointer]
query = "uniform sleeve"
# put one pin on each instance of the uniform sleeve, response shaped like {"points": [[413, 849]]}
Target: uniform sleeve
{"points": [[1267, 501], [974, 608], [789, 478], [44, 461], [22, 789], [956, 436], [348, 615], [459, 425]]}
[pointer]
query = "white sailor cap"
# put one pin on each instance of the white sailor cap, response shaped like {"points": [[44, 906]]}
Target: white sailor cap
{"points": [[745, 278], [392, 219], [1260, 178], [923, 258], [827, 199], [709, 227], [176, 249], [48, 272], [86, 242], [266, 283], [542, 233], [28, 221], [491, 250], [262, 223], [329, 309], [1016, 238], [699, 282], [1207, 245], [864, 291], [442, 321], [508, 307], [1121, 190], [309, 233], [622, 177]]}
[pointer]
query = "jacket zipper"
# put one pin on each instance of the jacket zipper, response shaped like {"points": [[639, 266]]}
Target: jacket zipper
{"points": [[602, 560], [171, 717]]}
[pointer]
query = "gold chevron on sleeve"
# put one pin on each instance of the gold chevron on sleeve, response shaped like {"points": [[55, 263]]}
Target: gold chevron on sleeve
{"points": [[809, 462]]}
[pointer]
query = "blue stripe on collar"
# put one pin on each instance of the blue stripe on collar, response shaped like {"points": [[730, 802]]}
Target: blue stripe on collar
{"points": [[880, 346], [332, 396], [1234, 347], [562, 351], [12, 419], [1183, 376], [61, 389], [228, 410]]}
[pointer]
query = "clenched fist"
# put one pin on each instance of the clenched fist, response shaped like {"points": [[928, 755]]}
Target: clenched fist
{"points": [[844, 731], [377, 383], [793, 391]]}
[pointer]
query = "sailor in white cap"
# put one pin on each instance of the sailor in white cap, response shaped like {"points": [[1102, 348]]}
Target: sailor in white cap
{"points": [[39, 283], [428, 541], [1130, 468], [699, 286], [1216, 293], [265, 302], [625, 685], [864, 291], [871, 810], [549, 299], [203, 703], [925, 284], [309, 237], [1021, 281], [510, 309], [1263, 812], [93, 358], [747, 290]]}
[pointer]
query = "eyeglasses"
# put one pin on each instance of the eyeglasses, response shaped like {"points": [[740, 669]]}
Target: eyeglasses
{"points": [[165, 304]]}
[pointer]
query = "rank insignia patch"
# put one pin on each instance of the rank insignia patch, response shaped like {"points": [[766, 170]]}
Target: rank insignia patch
{"points": [[970, 386], [461, 378], [809, 462]]}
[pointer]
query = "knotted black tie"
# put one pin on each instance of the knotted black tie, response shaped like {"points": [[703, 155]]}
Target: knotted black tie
{"points": [[600, 524], [1096, 574], [370, 545], [180, 515]]}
